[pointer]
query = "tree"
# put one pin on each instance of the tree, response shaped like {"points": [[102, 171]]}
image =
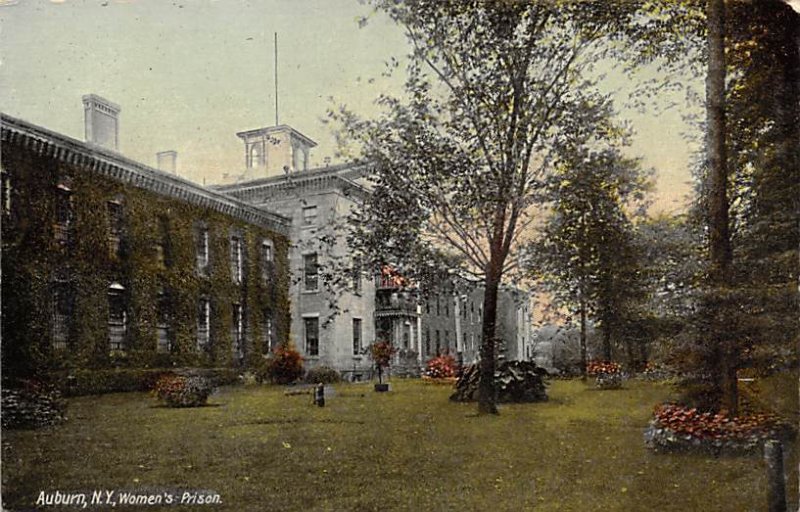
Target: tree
{"points": [[459, 166], [586, 255]]}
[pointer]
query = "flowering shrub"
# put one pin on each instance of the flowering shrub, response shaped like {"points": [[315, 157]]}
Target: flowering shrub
{"points": [[180, 391], [676, 426], [441, 367], [381, 353], [33, 405], [602, 367], [285, 365]]}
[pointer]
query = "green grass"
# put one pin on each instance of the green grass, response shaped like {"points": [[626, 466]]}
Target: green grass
{"points": [[410, 449]]}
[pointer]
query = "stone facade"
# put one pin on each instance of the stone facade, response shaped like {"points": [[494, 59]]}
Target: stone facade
{"points": [[332, 322]]}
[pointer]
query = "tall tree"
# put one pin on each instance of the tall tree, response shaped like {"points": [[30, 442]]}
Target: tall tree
{"points": [[586, 255], [492, 89]]}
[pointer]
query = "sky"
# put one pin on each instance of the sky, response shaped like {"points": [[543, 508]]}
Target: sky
{"points": [[189, 74]]}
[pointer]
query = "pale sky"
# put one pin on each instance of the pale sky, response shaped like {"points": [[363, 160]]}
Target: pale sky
{"points": [[190, 74]]}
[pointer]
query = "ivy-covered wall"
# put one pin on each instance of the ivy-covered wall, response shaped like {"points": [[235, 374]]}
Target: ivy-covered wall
{"points": [[33, 261]]}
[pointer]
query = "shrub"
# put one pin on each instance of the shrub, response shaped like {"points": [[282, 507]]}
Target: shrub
{"points": [[441, 367], [181, 391], [609, 380], [32, 405], [515, 381], [323, 375], [285, 365], [381, 353]]}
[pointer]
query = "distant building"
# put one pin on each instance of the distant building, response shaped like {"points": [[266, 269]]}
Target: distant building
{"points": [[108, 262], [452, 322]]}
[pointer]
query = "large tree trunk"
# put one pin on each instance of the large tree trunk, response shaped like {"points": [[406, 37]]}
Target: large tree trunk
{"points": [[717, 199], [486, 391]]}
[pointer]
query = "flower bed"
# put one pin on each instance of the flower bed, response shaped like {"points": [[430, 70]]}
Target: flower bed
{"points": [[675, 427], [608, 374], [181, 391]]}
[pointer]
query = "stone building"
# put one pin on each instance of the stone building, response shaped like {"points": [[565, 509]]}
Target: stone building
{"points": [[108, 262], [332, 305], [335, 316], [451, 322]]}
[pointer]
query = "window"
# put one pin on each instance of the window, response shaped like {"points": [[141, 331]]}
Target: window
{"points": [[446, 308], [64, 214], [63, 302], [438, 342], [463, 341], [115, 227], [256, 155], [236, 259], [312, 336], [266, 259], [268, 331], [117, 317], [201, 249], [428, 307], [161, 246], [163, 317], [203, 322], [237, 333], [447, 340], [438, 310], [309, 215], [5, 192], [310, 272], [356, 336]]}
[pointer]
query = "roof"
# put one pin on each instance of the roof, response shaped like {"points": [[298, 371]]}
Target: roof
{"points": [[277, 129], [331, 177], [113, 165]]}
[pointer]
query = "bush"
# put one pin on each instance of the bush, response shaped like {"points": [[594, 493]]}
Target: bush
{"points": [[284, 366], [440, 367], [323, 375], [515, 381], [609, 380], [32, 405], [181, 391]]}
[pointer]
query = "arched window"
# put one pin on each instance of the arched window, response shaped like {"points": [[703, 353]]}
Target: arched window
{"points": [[257, 154]]}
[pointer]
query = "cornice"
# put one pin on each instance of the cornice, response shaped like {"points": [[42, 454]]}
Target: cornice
{"points": [[337, 177], [105, 162]]}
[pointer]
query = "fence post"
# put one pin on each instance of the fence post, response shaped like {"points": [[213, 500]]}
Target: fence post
{"points": [[776, 483]]}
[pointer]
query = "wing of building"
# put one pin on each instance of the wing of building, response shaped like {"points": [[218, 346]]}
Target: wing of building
{"points": [[108, 262]]}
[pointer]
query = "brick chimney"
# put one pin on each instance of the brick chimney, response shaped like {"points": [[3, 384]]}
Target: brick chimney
{"points": [[101, 118], [167, 161]]}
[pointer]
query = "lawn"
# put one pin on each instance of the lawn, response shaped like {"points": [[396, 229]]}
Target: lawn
{"points": [[410, 449]]}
